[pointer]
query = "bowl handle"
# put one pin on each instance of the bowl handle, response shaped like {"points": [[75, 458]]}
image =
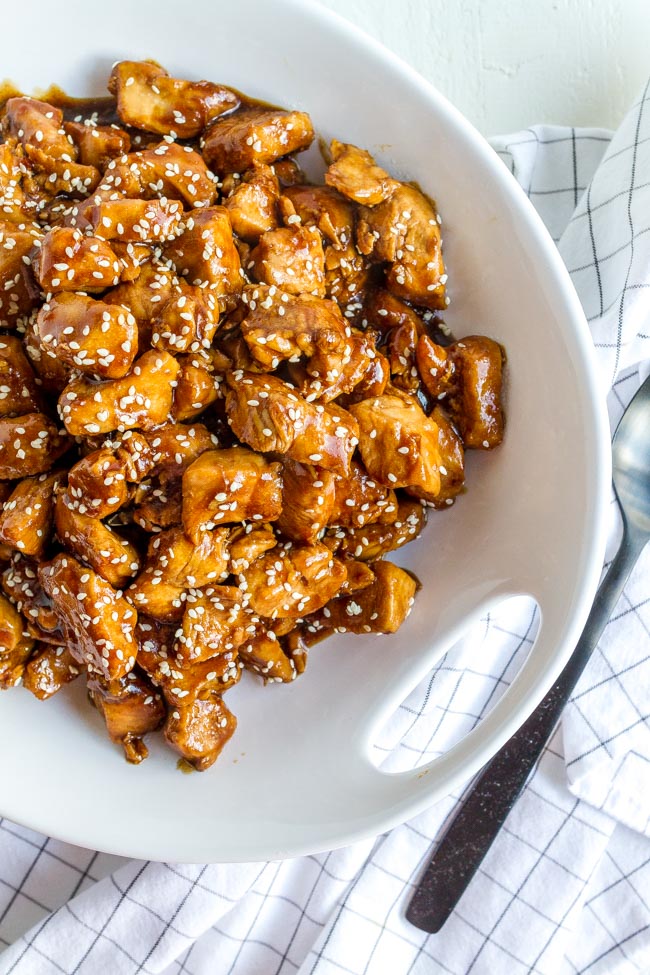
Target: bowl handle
{"points": [[407, 793]]}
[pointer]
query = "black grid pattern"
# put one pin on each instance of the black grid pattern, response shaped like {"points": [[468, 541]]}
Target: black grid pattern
{"points": [[566, 887]]}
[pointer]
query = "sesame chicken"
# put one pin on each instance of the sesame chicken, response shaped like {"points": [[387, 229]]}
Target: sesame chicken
{"points": [[69, 261], [235, 143], [90, 336], [163, 258], [398, 442], [231, 485], [199, 730], [308, 500], [26, 518], [174, 565], [205, 254], [131, 708], [372, 542], [137, 221], [97, 145], [15, 645], [292, 582], [404, 231], [291, 258], [147, 98], [253, 204], [166, 170], [49, 668], [29, 444], [282, 326], [142, 399], [18, 390], [97, 621], [269, 415], [354, 173], [263, 655], [112, 557], [379, 608]]}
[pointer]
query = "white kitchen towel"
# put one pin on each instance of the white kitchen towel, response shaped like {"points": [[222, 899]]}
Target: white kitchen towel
{"points": [[566, 886]]}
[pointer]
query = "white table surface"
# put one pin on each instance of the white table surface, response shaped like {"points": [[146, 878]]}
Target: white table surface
{"points": [[509, 63]]}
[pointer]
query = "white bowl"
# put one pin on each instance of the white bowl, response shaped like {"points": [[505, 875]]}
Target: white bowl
{"points": [[297, 777]]}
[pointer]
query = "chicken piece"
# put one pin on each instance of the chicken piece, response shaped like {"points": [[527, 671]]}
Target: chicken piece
{"points": [[379, 608], [206, 255], [159, 504], [143, 398], [293, 581], [26, 519], [246, 544], [18, 390], [347, 274], [269, 415], [112, 557], [177, 445], [20, 582], [374, 541], [13, 205], [263, 655], [291, 258], [216, 621], [404, 231], [131, 708], [97, 145], [89, 335], [97, 620], [235, 484], [398, 442], [145, 296], [360, 576], [98, 483], [282, 326], [37, 123], [181, 680], [359, 500], [361, 371], [452, 466], [60, 175], [139, 221], [187, 321], [15, 645], [29, 444], [355, 174], [199, 730], [147, 98], [253, 205], [131, 258], [324, 208], [234, 144], [167, 170], [49, 669], [68, 261], [174, 565], [308, 498], [53, 374], [197, 387], [17, 298], [436, 366], [476, 407]]}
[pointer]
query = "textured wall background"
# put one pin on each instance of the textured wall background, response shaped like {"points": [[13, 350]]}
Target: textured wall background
{"points": [[508, 63]]}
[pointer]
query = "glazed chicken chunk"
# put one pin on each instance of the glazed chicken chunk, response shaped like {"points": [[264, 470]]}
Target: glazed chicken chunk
{"points": [[29, 444], [235, 143], [291, 258], [26, 518], [18, 390], [15, 644], [253, 204], [354, 173], [131, 708], [270, 415], [147, 98]]}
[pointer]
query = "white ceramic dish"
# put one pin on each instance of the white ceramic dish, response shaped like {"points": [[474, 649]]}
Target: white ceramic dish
{"points": [[531, 521]]}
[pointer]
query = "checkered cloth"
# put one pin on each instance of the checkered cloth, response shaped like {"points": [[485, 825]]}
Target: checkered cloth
{"points": [[566, 887]]}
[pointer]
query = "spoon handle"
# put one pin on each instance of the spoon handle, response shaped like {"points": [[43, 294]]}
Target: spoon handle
{"points": [[474, 828]]}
